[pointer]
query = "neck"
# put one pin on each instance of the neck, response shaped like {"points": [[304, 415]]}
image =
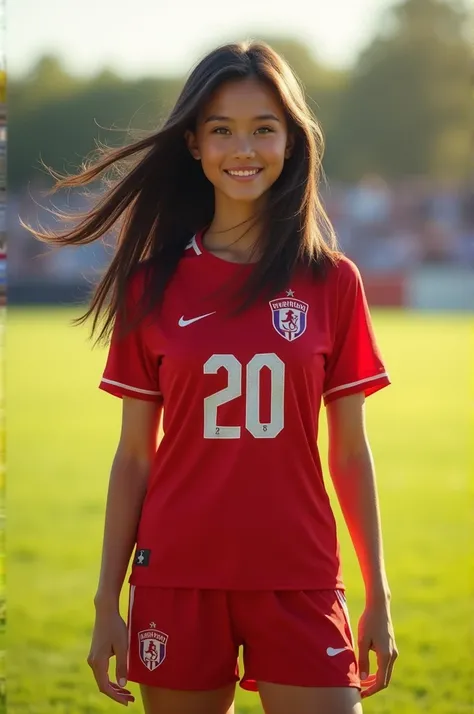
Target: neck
{"points": [[235, 230]]}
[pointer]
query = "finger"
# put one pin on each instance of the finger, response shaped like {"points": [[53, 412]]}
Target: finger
{"points": [[110, 691], [367, 684], [117, 686], [100, 671], [390, 667], [365, 693], [374, 687], [383, 661], [124, 692], [364, 665], [383, 666], [121, 669], [121, 690]]}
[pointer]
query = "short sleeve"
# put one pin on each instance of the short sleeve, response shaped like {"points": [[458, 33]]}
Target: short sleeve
{"points": [[354, 363], [131, 368]]}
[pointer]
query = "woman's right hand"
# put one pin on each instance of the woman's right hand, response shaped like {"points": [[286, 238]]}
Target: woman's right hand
{"points": [[110, 638]]}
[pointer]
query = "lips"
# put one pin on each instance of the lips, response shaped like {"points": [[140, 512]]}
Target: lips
{"points": [[243, 171]]}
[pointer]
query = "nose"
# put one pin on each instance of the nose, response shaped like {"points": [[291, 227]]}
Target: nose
{"points": [[243, 148]]}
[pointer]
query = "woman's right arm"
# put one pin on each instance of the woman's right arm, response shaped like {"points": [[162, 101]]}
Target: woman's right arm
{"points": [[127, 489]]}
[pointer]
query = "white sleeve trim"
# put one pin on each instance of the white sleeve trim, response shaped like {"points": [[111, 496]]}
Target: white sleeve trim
{"points": [[355, 384], [131, 389]]}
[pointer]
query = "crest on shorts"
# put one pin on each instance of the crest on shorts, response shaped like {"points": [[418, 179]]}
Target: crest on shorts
{"points": [[152, 647], [289, 316]]}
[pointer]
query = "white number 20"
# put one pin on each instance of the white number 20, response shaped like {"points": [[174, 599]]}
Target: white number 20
{"points": [[252, 402]]}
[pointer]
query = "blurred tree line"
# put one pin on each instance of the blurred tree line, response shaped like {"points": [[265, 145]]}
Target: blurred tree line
{"points": [[401, 110]]}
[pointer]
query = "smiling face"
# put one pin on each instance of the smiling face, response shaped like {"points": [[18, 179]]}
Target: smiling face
{"points": [[242, 140]]}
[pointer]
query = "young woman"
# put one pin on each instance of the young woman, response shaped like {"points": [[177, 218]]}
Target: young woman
{"points": [[233, 317]]}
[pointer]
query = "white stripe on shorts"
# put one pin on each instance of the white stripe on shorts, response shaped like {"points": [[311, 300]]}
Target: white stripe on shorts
{"points": [[130, 607], [341, 596]]}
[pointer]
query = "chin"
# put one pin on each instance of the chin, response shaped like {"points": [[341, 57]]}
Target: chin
{"points": [[249, 197], [245, 193]]}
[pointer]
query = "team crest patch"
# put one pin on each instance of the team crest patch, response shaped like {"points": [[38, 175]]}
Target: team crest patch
{"points": [[289, 317], [152, 647]]}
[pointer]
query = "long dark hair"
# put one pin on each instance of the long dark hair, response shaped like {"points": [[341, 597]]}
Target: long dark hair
{"points": [[159, 196]]}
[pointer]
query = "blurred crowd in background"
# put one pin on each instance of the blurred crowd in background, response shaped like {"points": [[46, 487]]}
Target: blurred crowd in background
{"points": [[382, 226], [403, 225]]}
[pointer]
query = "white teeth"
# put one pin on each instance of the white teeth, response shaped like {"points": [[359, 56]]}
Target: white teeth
{"points": [[243, 173]]}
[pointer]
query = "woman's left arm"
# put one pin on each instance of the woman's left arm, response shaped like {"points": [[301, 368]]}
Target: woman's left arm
{"points": [[352, 472]]}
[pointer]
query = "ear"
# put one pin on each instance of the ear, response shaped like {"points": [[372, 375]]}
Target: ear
{"points": [[192, 144], [289, 146]]}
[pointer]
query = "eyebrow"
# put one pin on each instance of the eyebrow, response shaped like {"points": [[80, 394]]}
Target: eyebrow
{"points": [[261, 117]]}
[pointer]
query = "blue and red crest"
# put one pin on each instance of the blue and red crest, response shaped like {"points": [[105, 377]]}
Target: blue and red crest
{"points": [[152, 647], [289, 317]]}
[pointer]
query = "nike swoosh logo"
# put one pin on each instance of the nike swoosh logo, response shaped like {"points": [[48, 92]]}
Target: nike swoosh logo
{"points": [[332, 652], [184, 323]]}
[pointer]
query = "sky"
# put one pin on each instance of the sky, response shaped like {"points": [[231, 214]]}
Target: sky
{"points": [[149, 37]]}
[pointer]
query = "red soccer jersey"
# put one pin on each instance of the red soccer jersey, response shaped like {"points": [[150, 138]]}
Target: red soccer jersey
{"points": [[236, 498]]}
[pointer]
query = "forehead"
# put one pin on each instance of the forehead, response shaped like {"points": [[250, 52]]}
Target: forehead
{"points": [[243, 99]]}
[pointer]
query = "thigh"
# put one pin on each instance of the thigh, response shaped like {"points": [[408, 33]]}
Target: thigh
{"points": [[181, 640], [282, 699], [167, 701]]}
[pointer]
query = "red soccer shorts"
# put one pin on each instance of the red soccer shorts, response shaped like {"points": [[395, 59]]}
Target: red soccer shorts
{"points": [[189, 639]]}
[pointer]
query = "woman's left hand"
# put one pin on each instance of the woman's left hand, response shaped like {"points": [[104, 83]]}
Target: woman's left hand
{"points": [[376, 633]]}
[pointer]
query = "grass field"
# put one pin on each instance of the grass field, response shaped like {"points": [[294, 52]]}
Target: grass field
{"points": [[61, 433]]}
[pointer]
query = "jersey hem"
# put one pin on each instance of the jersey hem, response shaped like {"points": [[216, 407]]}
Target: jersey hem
{"points": [[234, 587]]}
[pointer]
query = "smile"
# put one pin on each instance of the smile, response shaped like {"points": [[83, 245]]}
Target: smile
{"points": [[243, 173]]}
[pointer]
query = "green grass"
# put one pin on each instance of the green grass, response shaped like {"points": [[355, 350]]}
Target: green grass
{"points": [[61, 433]]}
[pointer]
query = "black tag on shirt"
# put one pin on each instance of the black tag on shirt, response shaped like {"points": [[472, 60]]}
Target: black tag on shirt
{"points": [[142, 557]]}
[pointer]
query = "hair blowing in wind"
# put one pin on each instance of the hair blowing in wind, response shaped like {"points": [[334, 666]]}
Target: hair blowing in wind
{"points": [[158, 197]]}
